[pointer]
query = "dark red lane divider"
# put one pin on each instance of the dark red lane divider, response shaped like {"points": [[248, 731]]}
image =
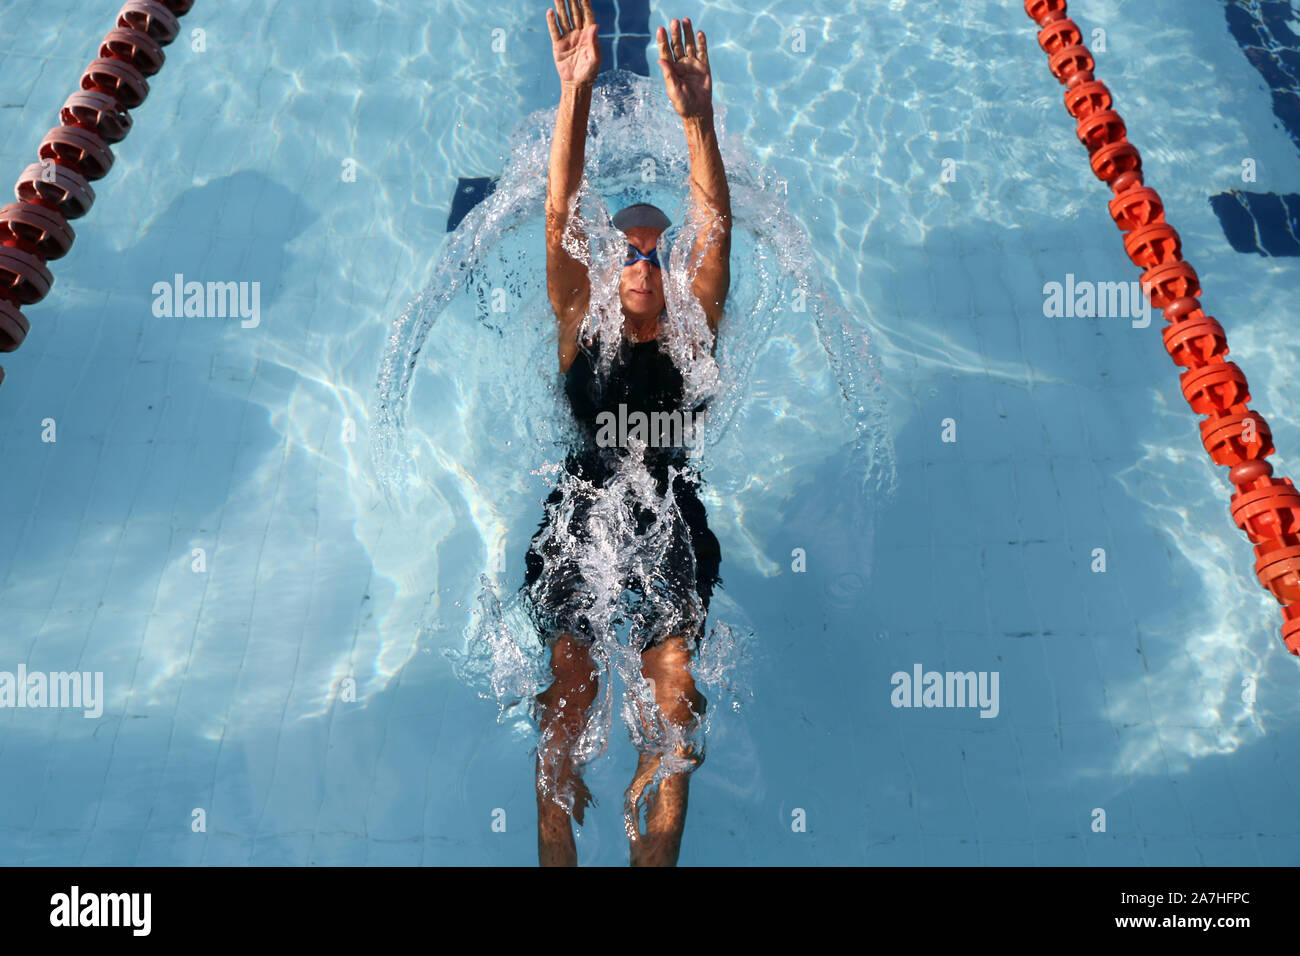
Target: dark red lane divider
{"points": [[1265, 508], [35, 230]]}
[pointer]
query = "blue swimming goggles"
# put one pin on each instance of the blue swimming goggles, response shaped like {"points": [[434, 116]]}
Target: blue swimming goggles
{"points": [[635, 255]]}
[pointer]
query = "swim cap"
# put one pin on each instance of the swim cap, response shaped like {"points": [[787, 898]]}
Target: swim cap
{"points": [[641, 214]]}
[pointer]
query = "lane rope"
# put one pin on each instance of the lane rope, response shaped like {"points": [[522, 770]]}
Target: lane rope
{"points": [[55, 189], [1265, 508]]}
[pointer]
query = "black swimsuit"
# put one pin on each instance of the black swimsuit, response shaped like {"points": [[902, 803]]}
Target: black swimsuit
{"points": [[672, 593]]}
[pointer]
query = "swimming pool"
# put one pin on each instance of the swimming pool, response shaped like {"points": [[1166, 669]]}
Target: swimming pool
{"points": [[208, 532]]}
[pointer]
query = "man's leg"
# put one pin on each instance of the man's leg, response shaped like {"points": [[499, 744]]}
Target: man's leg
{"points": [[562, 711], [681, 705]]}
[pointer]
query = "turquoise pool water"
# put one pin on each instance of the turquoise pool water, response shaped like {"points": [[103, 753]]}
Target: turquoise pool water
{"points": [[209, 532]]}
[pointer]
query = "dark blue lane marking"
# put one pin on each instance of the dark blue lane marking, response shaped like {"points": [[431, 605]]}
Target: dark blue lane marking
{"points": [[1242, 25], [469, 193], [624, 39], [1263, 223], [624, 34], [1266, 223], [1238, 225]]}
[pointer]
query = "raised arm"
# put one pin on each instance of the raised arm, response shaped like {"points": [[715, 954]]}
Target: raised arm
{"points": [[690, 88], [577, 61]]}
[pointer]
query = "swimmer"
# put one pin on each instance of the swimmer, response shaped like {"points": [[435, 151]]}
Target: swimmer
{"points": [[644, 378]]}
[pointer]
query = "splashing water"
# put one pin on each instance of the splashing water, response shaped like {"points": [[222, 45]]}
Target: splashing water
{"points": [[489, 414]]}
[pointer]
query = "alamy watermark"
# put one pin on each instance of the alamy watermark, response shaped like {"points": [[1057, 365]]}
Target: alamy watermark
{"points": [[76, 908], [55, 689], [1096, 300], [923, 688], [673, 429], [208, 300]]}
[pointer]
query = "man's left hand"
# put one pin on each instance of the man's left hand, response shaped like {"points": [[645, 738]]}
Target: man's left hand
{"points": [[686, 70]]}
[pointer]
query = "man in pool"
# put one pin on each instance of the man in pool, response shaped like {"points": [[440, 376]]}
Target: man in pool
{"points": [[641, 377]]}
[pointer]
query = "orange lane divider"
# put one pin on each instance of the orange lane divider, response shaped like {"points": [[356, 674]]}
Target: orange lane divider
{"points": [[1265, 508], [73, 154]]}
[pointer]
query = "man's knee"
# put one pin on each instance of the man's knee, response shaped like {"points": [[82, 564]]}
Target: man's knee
{"points": [[667, 667], [571, 661], [683, 702], [574, 687]]}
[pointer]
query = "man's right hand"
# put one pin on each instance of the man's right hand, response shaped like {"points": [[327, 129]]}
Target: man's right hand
{"points": [[573, 43]]}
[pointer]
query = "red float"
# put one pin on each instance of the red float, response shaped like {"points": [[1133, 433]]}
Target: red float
{"points": [[1100, 129], [36, 229], [132, 46], [118, 79], [55, 186], [1185, 309], [1111, 162], [1058, 35], [1071, 61], [1236, 437], [1215, 388], [13, 328], [1278, 569], [1084, 99], [151, 18], [1137, 207], [79, 148], [1173, 280], [1251, 474], [1269, 511], [1153, 245], [1082, 78], [23, 276], [1127, 180], [96, 111], [1193, 344], [1290, 621], [1040, 10]]}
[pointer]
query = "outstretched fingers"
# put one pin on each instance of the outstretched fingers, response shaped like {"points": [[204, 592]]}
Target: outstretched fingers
{"points": [[562, 15], [666, 61], [685, 40], [675, 34]]}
